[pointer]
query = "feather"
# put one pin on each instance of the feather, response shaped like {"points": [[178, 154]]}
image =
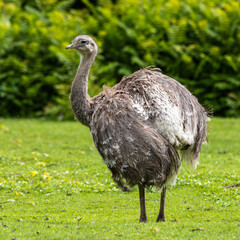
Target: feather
{"points": [[141, 155]]}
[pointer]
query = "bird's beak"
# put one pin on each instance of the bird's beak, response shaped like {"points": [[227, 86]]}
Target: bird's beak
{"points": [[69, 46]]}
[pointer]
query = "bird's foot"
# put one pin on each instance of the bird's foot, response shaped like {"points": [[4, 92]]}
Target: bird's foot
{"points": [[161, 219], [143, 219]]}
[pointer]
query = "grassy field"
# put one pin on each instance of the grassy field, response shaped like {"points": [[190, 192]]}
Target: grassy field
{"points": [[53, 185]]}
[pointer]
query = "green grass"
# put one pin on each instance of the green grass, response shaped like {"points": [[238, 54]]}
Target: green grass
{"points": [[53, 185]]}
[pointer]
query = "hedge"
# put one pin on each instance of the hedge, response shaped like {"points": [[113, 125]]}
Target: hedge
{"points": [[196, 42]]}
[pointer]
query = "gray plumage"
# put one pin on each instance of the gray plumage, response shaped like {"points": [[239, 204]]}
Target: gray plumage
{"points": [[139, 124], [130, 146]]}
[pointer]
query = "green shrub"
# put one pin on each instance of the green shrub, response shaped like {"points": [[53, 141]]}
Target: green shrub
{"points": [[196, 42], [36, 71]]}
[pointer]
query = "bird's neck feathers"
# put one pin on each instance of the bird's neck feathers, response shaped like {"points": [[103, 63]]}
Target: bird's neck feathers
{"points": [[80, 100]]}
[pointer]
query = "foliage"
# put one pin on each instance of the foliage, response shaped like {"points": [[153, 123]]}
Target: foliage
{"points": [[35, 70], [196, 42], [54, 185]]}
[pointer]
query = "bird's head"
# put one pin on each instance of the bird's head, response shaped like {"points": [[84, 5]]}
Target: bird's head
{"points": [[84, 44]]}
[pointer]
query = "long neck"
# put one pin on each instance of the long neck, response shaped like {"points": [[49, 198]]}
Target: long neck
{"points": [[80, 100]]}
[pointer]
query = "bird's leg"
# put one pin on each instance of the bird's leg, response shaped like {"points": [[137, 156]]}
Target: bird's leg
{"points": [[143, 214], [161, 215]]}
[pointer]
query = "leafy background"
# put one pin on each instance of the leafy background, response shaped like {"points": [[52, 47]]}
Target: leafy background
{"points": [[196, 42]]}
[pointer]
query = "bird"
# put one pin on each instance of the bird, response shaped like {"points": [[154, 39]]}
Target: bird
{"points": [[143, 127]]}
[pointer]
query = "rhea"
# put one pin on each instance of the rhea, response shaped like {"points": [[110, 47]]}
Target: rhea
{"points": [[140, 125]]}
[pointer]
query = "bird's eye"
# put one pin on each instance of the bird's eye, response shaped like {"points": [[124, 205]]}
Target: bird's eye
{"points": [[83, 41]]}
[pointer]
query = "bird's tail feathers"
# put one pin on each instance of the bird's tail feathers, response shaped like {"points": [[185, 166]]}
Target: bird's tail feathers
{"points": [[190, 156]]}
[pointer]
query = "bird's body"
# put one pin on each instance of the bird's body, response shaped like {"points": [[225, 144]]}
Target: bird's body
{"points": [[139, 124], [130, 145], [169, 106]]}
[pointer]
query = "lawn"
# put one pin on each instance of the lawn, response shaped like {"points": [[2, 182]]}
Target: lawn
{"points": [[54, 185]]}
